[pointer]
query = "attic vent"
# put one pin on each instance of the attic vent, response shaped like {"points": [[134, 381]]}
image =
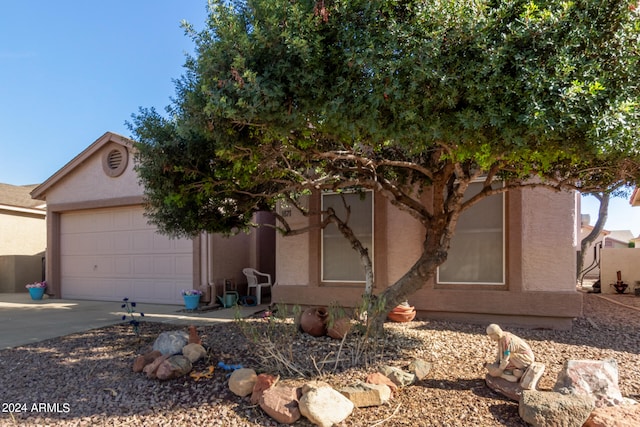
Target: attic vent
{"points": [[114, 161]]}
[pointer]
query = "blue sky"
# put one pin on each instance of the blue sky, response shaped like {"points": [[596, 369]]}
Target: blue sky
{"points": [[71, 70]]}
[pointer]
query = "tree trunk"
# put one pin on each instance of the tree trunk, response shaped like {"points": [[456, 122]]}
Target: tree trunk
{"points": [[603, 212]]}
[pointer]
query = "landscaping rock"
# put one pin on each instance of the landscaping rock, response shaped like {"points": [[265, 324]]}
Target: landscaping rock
{"points": [[398, 376], [281, 403], [152, 367], [595, 378], [145, 359], [324, 406], [551, 409], [506, 388], [364, 395], [532, 375], [378, 378], [614, 416], [171, 342], [194, 352], [174, 367], [242, 381], [420, 368], [263, 382]]}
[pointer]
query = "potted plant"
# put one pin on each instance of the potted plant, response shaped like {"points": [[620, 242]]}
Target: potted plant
{"points": [[191, 298], [36, 290]]}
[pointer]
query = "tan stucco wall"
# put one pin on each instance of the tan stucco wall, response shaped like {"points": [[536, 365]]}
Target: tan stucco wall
{"points": [[292, 260], [625, 260], [22, 233], [89, 182]]}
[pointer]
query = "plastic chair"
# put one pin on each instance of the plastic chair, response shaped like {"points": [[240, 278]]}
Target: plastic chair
{"points": [[253, 281]]}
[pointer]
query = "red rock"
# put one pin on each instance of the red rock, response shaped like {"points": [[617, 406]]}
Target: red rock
{"points": [[263, 382], [281, 403], [152, 367], [614, 416], [145, 359], [378, 378]]}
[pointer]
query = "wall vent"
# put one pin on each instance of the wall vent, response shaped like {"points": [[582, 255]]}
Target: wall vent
{"points": [[114, 161]]}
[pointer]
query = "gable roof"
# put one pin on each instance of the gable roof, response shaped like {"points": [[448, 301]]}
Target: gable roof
{"points": [[40, 191], [17, 197]]}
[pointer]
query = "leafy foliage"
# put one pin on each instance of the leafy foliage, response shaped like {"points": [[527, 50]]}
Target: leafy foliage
{"points": [[287, 97]]}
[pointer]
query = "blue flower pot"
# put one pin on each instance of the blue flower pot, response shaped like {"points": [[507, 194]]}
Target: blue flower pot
{"points": [[191, 301], [36, 293]]}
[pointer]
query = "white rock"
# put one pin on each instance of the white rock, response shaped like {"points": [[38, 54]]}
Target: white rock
{"points": [[325, 406]]}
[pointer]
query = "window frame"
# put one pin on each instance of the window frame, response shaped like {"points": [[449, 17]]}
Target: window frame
{"points": [[362, 282], [484, 285]]}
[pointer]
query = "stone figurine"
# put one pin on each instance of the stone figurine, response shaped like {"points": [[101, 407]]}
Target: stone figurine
{"points": [[513, 357]]}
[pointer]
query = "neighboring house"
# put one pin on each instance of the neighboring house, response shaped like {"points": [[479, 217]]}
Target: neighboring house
{"points": [[101, 247], [512, 261], [606, 239], [23, 237]]}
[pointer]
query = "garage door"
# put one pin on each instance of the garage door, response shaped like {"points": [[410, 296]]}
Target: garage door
{"points": [[110, 254]]}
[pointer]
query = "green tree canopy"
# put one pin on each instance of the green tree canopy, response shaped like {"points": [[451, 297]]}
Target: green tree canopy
{"points": [[398, 97]]}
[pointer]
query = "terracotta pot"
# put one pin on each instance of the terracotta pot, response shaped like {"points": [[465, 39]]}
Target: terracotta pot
{"points": [[314, 321], [340, 328], [402, 313]]}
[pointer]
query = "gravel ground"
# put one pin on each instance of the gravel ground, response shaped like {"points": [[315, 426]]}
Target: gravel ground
{"points": [[85, 379]]}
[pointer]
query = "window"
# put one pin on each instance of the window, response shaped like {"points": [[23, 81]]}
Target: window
{"points": [[340, 262], [477, 253]]}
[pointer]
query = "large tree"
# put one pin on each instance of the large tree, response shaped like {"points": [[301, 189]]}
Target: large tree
{"points": [[404, 98]]}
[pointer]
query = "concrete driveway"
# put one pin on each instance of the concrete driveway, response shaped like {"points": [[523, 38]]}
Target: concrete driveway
{"points": [[24, 321]]}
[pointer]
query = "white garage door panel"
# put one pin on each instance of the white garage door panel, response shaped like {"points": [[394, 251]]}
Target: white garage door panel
{"points": [[110, 254]]}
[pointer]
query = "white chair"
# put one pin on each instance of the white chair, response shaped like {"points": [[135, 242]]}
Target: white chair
{"points": [[253, 281]]}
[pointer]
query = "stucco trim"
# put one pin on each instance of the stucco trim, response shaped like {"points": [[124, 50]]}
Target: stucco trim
{"points": [[94, 204], [40, 191]]}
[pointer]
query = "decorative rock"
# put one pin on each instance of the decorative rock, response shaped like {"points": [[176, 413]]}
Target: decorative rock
{"points": [[242, 381], [174, 367], [550, 409], [363, 395], [194, 352], [595, 378], [531, 376], [152, 367], [420, 368], [506, 388], [615, 416], [378, 378], [171, 342], [398, 376], [263, 382], [324, 406], [340, 328], [194, 338], [281, 403], [145, 359]]}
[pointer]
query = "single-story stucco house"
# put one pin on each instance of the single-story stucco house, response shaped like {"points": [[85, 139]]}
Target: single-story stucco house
{"points": [[23, 237], [101, 247], [513, 260]]}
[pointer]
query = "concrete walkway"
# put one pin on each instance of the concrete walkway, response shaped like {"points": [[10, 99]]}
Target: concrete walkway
{"points": [[24, 321]]}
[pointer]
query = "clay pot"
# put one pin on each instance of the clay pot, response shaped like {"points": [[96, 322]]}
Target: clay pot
{"points": [[314, 321], [340, 328], [402, 313]]}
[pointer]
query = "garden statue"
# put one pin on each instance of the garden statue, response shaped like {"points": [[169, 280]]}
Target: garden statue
{"points": [[513, 357]]}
